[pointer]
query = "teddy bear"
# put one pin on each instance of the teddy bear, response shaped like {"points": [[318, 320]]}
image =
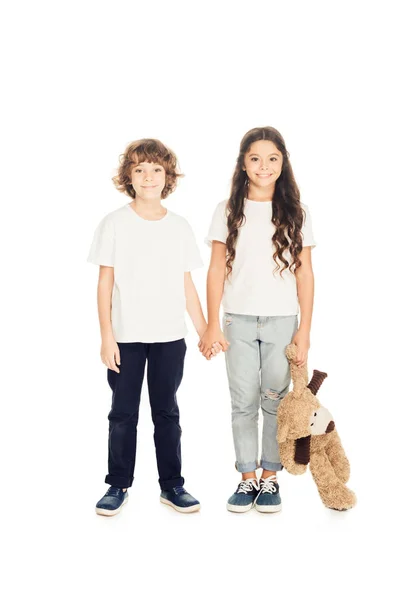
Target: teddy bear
{"points": [[307, 435]]}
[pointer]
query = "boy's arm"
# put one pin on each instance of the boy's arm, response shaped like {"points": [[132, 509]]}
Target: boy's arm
{"points": [[109, 348], [104, 294], [305, 294], [193, 305]]}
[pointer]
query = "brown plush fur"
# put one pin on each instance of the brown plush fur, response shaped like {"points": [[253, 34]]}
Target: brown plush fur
{"points": [[301, 416]]}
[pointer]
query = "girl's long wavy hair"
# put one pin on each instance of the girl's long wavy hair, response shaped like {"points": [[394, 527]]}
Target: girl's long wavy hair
{"points": [[287, 213], [146, 150]]}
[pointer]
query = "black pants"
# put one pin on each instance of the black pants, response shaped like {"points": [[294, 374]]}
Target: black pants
{"points": [[164, 374]]}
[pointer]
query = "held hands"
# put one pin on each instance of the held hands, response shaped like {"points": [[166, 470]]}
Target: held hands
{"points": [[212, 342], [110, 354], [302, 341]]}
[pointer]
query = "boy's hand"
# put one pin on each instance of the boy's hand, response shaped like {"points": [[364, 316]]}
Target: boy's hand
{"points": [[212, 335], [110, 354], [302, 341]]}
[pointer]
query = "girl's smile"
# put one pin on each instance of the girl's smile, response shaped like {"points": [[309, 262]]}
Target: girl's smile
{"points": [[263, 164]]}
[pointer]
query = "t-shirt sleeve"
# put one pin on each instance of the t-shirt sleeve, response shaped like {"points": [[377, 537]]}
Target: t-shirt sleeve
{"points": [[307, 231], [218, 230], [103, 245], [192, 257]]}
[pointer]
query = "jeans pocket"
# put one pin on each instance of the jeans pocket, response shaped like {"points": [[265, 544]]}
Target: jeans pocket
{"points": [[228, 319]]}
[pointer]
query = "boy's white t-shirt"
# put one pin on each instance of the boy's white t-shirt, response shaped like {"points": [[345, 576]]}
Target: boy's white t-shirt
{"points": [[253, 288], [149, 260]]}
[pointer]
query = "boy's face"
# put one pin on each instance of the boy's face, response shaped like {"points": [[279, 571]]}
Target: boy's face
{"points": [[148, 180], [263, 163]]}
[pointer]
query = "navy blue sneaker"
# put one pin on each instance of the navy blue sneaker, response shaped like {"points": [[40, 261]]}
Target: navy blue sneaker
{"points": [[269, 499], [180, 500], [112, 502], [244, 497]]}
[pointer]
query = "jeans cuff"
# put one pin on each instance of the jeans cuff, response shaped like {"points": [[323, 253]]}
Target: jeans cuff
{"points": [[246, 467], [118, 481], [168, 484], [270, 466]]}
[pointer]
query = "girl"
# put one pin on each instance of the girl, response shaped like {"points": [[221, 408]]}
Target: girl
{"points": [[261, 269]]}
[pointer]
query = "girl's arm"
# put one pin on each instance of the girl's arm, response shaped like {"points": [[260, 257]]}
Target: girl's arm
{"points": [[215, 288], [109, 348], [305, 294]]}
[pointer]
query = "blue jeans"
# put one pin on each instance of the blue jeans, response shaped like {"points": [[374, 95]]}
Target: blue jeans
{"points": [[259, 376], [165, 361]]}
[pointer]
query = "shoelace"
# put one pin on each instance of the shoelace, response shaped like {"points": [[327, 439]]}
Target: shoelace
{"points": [[114, 491], [247, 485], [267, 485], [179, 490]]}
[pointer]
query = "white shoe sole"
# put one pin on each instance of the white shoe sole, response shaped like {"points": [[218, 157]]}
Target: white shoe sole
{"points": [[110, 513], [187, 509], [269, 508], [239, 509]]}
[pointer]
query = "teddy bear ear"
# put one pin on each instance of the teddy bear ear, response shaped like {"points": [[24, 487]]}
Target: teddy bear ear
{"points": [[282, 434]]}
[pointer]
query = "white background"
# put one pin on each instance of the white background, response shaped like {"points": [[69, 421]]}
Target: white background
{"points": [[80, 81]]}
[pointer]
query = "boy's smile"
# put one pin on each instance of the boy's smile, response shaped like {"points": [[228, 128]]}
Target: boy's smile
{"points": [[148, 180]]}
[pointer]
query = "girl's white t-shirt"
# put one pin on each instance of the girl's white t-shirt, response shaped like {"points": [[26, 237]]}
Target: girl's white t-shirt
{"points": [[149, 260], [253, 288]]}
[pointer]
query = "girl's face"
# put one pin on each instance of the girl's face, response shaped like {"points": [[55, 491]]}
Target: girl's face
{"points": [[263, 163], [148, 180]]}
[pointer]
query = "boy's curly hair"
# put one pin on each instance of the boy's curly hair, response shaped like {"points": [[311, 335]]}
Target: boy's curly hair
{"points": [[146, 150]]}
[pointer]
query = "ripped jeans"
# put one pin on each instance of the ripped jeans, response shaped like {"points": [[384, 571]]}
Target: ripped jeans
{"points": [[259, 376]]}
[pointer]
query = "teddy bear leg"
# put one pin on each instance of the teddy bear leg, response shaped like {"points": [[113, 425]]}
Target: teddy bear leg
{"points": [[337, 457], [333, 492]]}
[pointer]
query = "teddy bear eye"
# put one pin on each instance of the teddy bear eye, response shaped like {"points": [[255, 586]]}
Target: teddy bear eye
{"points": [[315, 414], [312, 424]]}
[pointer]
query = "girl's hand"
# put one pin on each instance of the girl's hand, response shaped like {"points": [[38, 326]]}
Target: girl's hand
{"points": [[214, 350], [110, 354], [212, 335], [302, 341]]}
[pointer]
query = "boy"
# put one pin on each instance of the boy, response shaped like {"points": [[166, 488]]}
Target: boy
{"points": [[145, 253]]}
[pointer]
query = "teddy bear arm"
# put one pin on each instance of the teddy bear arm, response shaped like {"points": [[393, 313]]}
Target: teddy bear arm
{"points": [[337, 457], [287, 452], [333, 492]]}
